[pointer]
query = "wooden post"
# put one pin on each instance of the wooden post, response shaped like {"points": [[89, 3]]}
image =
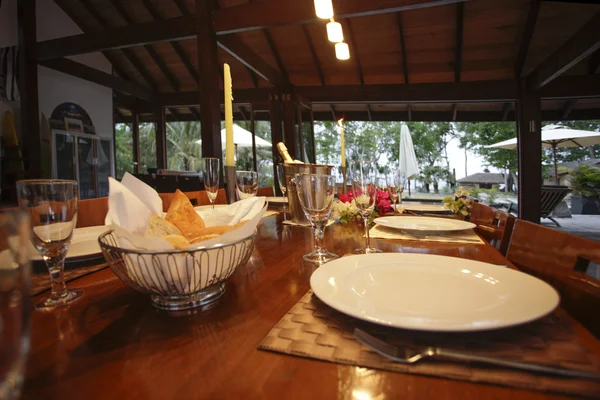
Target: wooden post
{"points": [[252, 129], [161, 139], [28, 88], [209, 82], [312, 132], [135, 135], [276, 133], [289, 126], [529, 136]]}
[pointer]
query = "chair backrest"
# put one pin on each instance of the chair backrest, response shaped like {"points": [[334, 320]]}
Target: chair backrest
{"points": [[265, 191], [552, 195], [92, 212], [493, 225], [561, 259], [482, 214], [197, 198]]}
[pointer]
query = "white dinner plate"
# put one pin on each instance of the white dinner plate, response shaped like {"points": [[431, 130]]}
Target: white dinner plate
{"points": [[428, 224], [277, 200], [209, 207], [423, 207], [431, 293], [84, 244]]}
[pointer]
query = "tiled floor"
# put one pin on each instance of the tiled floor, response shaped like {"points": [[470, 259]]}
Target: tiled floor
{"points": [[581, 225]]}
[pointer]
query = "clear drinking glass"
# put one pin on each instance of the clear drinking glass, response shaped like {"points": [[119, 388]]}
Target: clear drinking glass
{"points": [[211, 178], [246, 184], [315, 193], [52, 208], [364, 178], [282, 183], [395, 185], [15, 277]]}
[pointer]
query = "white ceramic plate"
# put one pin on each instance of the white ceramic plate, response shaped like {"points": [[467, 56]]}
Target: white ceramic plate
{"points": [[431, 293], [428, 224], [209, 207], [423, 207], [84, 244], [277, 200]]}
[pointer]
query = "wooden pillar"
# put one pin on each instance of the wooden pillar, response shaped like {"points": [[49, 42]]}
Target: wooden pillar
{"points": [[252, 129], [312, 132], [276, 132], [289, 125], [209, 82], [300, 132], [161, 138], [135, 135], [529, 136], [28, 88]]}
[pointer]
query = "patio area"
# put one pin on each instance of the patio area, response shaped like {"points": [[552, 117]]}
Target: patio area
{"points": [[587, 226]]}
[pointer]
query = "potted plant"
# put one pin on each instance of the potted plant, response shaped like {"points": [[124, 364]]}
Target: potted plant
{"points": [[585, 181]]}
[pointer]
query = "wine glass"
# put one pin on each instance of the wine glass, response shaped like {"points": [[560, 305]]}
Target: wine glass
{"points": [[52, 207], [282, 183], [211, 178], [246, 184], [395, 185], [364, 178], [315, 193]]}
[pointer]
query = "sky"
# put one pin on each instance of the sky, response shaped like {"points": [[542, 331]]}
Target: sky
{"points": [[456, 156]]}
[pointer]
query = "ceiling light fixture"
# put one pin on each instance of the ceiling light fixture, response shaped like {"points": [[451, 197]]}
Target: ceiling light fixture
{"points": [[335, 33], [324, 9], [342, 51]]}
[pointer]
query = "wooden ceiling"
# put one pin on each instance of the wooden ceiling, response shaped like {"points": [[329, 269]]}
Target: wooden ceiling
{"points": [[461, 41]]}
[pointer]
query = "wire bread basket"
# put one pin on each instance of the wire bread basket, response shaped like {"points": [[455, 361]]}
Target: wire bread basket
{"points": [[177, 279]]}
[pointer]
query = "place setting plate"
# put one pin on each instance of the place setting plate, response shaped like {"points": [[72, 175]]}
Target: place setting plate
{"points": [[429, 208], [432, 293], [423, 224], [277, 200]]}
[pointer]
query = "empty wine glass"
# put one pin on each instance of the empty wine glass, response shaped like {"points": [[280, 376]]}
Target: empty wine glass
{"points": [[315, 193], [395, 185], [211, 178], [246, 184], [282, 183], [52, 207], [364, 177]]}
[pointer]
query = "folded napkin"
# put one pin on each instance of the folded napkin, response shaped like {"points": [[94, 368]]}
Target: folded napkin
{"points": [[465, 236], [131, 202]]}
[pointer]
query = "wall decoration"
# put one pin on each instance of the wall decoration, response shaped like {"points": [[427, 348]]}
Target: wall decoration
{"points": [[70, 116]]}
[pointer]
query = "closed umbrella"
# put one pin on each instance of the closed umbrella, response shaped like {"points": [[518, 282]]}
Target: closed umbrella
{"points": [[407, 160], [242, 138], [554, 136]]}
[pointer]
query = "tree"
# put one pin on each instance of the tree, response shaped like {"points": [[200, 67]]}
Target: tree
{"points": [[183, 153], [123, 149]]}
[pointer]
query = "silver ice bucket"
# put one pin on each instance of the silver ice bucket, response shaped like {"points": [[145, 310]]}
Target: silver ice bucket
{"points": [[290, 172]]}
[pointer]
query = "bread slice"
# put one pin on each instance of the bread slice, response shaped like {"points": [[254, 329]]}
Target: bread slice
{"points": [[181, 213], [160, 227], [178, 241]]}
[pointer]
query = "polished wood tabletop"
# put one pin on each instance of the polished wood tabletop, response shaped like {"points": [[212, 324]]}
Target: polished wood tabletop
{"points": [[114, 345]]}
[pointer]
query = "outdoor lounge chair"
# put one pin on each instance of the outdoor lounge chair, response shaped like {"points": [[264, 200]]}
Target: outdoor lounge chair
{"points": [[552, 195]]}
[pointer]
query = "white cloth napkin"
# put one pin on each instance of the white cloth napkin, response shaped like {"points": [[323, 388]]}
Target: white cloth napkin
{"points": [[466, 236]]}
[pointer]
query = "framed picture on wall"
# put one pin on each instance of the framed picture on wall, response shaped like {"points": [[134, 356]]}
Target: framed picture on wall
{"points": [[73, 125]]}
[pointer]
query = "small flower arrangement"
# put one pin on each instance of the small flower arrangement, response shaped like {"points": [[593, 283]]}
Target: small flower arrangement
{"points": [[460, 203], [345, 209]]}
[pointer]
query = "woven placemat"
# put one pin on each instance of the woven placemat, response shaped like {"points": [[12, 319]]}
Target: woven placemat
{"points": [[314, 330]]}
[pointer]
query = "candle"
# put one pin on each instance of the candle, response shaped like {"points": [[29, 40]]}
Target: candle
{"points": [[341, 124], [229, 151]]}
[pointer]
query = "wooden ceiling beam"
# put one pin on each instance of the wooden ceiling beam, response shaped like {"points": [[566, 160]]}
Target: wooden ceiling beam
{"points": [[581, 45], [98, 77], [369, 112], [251, 16], [454, 111], [505, 111], [332, 109], [572, 86], [409, 112], [528, 29], [594, 63], [250, 59], [460, 13], [195, 113], [567, 108], [276, 54], [240, 96], [354, 51], [175, 45], [400, 24], [313, 52]]}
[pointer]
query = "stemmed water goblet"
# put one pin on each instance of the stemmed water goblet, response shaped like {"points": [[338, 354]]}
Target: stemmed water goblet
{"points": [[282, 183], [395, 186], [246, 184], [316, 193], [211, 178], [364, 178], [52, 207]]}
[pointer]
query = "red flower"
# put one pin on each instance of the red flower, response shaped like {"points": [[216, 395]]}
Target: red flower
{"points": [[343, 198]]}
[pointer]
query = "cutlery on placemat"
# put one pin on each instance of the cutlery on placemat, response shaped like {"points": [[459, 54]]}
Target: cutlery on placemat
{"points": [[411, 355]]}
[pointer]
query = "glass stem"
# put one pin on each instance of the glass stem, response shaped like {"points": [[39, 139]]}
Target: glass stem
{"points": [[56, 270], [212, 203], [319, 230], [367, 238]]}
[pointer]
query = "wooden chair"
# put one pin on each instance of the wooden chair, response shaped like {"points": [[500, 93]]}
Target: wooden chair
{"points": [[266, 191], [493, 225], [560, 259], [92, 212]]}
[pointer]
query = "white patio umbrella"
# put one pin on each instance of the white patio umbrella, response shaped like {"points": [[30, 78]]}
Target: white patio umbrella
{"points": [[407, 160], [554, 136], [241, 138]]}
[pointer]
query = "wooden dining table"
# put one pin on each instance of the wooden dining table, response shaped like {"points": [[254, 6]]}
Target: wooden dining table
{"points": [[114, 345]]}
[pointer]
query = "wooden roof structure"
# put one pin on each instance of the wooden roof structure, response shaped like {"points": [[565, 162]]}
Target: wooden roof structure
{"points": [[428, 60]]}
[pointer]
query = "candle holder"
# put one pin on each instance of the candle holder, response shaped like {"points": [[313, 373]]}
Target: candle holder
{"points": [[344, 187], [230, 182]]}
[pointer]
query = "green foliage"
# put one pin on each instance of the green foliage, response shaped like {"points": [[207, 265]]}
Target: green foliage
{"points": [[123, 149], [492, 195], [475, 192], [183, 153], [585, 181], [477, 136]]}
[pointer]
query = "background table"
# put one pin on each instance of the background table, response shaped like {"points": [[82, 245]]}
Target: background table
{"points": [[114, 344]]}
